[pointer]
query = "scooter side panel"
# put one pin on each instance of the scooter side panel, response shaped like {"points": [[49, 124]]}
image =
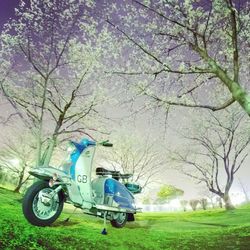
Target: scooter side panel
{"points": [[98, 190], [120, 194]]}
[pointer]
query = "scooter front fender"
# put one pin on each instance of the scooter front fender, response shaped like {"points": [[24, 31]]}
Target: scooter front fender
{"points": [[48, 173]]}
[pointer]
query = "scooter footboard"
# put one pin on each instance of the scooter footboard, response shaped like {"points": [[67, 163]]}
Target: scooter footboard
{"points": [[115, 209]]}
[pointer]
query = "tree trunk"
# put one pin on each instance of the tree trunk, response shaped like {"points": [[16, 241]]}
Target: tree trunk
{"points": [[212, 203], [241, 96], [17, 189], [20, 182], [39, 149], [228, 203], [244, 191], [50, 151], [238, 92]]}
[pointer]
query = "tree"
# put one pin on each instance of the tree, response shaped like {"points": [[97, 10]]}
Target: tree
{"points": [[203, 203], [134, 155], [54, 51], [209, 196], [244, 190], [181, 50], [168, 192], [219, 202], [220, 148], [193, 204], [184, 204], [16, 159]]}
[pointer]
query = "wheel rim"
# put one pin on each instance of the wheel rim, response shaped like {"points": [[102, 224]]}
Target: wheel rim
{"points": [[120, 217], [45, 208]]}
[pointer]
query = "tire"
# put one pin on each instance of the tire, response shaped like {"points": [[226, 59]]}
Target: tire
{"points": [[35, 210], [120, 221]]}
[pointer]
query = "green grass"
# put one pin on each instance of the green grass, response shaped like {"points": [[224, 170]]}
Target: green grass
{"points": [[215, 229]]}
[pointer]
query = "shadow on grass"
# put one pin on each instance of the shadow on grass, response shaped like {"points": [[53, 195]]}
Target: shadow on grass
{"points": [[208, 224], [65, 223], [145, 224]]}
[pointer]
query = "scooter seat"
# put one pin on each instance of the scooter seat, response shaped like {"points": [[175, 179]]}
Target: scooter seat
{"points": [[103, 171], [126, 176]]}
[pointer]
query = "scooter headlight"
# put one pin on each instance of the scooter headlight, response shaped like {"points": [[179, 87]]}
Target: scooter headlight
{"points": [[51, 182], [71, 148]]}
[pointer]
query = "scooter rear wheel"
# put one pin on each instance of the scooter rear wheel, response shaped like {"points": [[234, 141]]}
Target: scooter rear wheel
{"points": [[119, 220], [39, 212]]}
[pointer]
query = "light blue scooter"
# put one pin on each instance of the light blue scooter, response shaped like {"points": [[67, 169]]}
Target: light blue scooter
{"points": [[109, 196]]}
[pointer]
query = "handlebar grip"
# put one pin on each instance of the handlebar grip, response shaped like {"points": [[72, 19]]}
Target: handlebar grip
{"points": [[107, 144]]}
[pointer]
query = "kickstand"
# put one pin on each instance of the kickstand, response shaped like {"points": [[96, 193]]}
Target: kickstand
{"points": [[104, 231], [66, 220]]}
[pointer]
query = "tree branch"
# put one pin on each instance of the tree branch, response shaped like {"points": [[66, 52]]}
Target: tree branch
{"points": [[213, 108]]}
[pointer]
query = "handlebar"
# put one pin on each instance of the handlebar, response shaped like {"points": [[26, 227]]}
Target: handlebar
{"points": [[106, 144], [86, 142]]}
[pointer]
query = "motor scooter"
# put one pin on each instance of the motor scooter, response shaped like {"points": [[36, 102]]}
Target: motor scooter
{"points": [[109, 195]]}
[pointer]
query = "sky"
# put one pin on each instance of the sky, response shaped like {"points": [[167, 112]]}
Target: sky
{"points": [[7, 12]]}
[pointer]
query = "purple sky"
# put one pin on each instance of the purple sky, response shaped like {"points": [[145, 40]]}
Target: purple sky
{"points": [[7, 10]]}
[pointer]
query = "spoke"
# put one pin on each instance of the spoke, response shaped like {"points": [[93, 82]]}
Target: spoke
{"points": [[43, 210]]}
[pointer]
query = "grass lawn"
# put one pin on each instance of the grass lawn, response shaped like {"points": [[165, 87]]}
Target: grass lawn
{"points": [[215, 229]]}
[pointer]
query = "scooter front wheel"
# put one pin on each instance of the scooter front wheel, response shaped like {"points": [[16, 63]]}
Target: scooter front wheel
{"points": [[119, 220], [38, 207]]}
